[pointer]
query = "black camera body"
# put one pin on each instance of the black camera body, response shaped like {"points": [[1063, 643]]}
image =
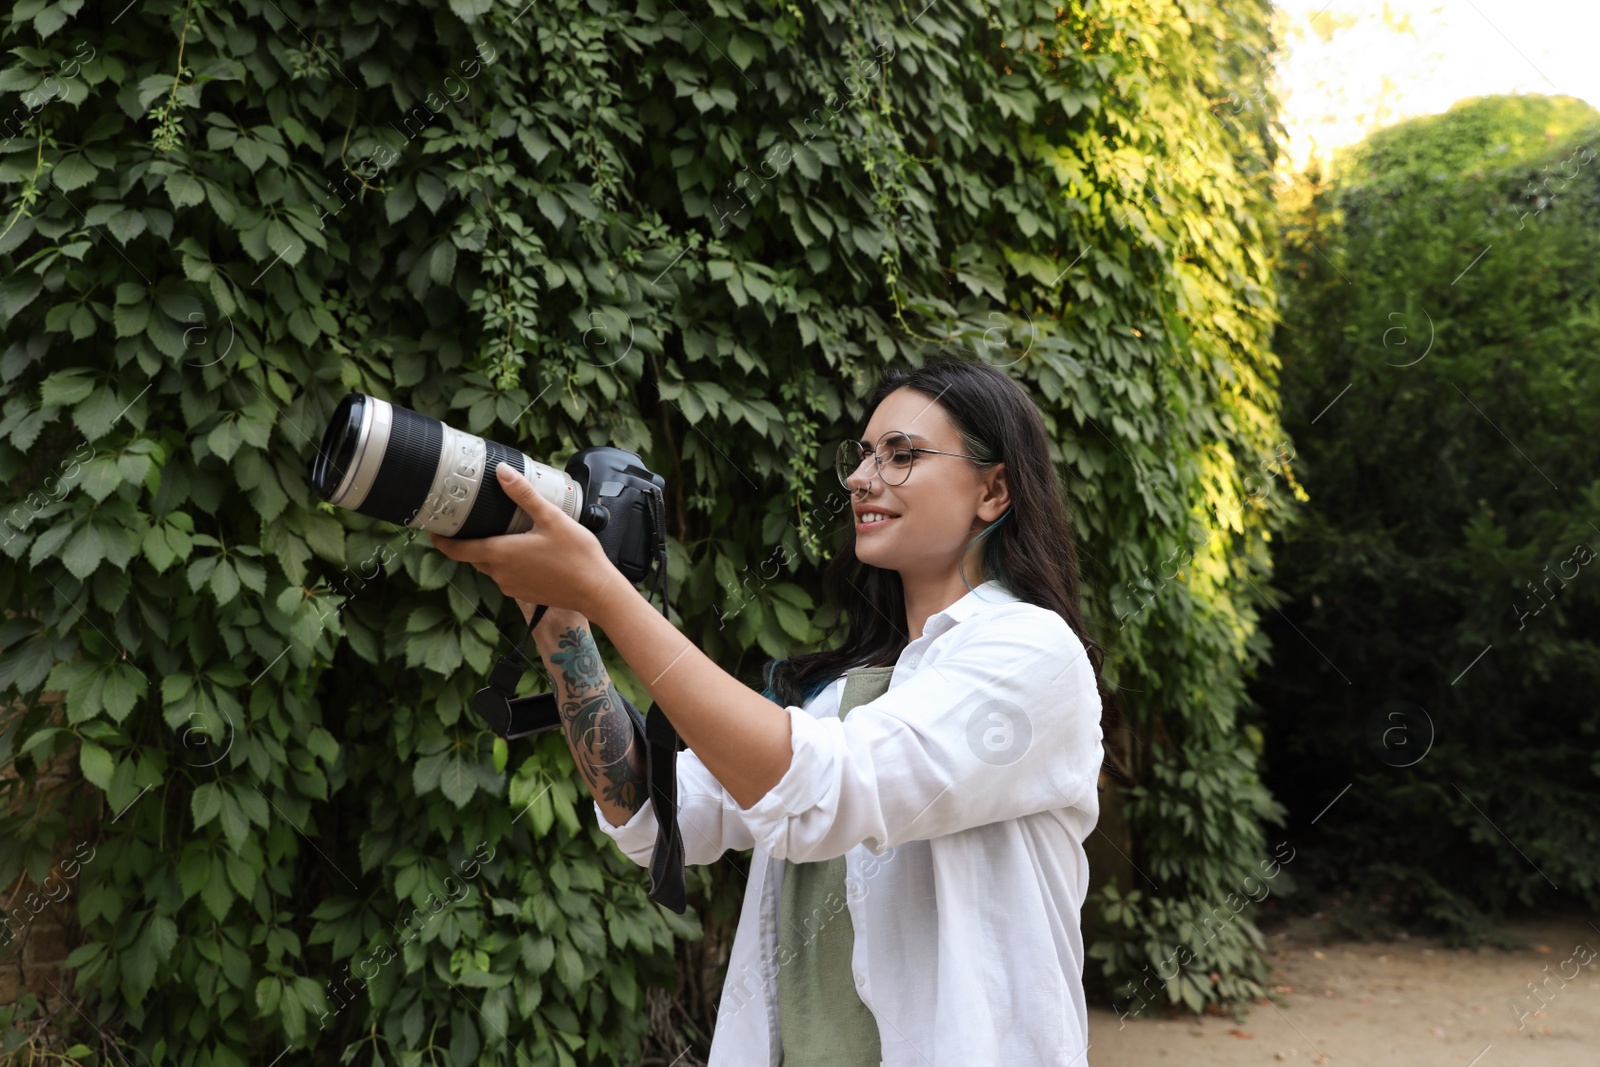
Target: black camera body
{"points": [[622, 505]]}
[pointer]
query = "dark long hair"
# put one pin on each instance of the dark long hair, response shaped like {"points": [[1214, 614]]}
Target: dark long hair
{"points": [[1029, 549]]}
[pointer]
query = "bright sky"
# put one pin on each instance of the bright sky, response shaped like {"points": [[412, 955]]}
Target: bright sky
{"points": [[1357, 65]]}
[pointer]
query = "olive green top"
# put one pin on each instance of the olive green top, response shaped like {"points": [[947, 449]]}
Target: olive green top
{"points": [[822, 1020]]}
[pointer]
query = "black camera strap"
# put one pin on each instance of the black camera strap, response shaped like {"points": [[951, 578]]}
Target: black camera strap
{"points": [[514, 717]]}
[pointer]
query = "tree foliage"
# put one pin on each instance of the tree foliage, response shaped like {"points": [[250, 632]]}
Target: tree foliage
{"points": [[1438, 349], [700, 236]]}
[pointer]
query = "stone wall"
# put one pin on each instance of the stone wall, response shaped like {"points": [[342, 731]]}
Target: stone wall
{"points": [[39, 928]]}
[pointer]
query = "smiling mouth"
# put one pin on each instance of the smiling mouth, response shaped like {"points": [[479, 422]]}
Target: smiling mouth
{"points": [[871, 519]]}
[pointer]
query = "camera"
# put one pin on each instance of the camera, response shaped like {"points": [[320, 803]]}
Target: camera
{"points": [[392, 463], [388, 462]]}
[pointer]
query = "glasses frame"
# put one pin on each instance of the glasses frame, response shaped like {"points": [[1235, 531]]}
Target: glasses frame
{"points": [[877, 464]]}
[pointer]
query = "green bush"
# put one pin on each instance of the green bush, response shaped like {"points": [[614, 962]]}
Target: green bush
{"points": [[1438, 350], [701, 237]]}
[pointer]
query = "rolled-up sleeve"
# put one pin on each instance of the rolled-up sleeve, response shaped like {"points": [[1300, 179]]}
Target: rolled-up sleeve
{"points": [[1003, 722], [708, 819]]}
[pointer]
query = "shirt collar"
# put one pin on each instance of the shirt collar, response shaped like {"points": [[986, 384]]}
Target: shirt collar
{"points": [[979, 599]]}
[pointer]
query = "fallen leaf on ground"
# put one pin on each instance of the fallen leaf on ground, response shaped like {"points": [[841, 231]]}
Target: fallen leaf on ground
{"points": [[1245, 1034]]}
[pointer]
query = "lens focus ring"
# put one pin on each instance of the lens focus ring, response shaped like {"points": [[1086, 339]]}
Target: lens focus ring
{"points": [[494, 512]]}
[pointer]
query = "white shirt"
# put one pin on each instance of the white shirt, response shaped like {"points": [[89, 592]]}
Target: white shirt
{"points": [[960, 800]]}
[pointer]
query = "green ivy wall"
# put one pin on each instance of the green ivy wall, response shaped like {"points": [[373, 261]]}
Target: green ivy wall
{"points": [[696, 233]]}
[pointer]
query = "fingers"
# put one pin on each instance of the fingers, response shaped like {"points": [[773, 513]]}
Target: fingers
{"points": [[469, 550], [521, 492]]}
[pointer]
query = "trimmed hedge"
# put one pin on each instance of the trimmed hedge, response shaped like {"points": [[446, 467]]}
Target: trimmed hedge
{"points": [[1446, 660]]}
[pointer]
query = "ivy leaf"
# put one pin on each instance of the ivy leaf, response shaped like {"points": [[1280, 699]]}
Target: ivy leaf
{"points": [[96, 763], [442, 263], [100, 477], [97, 413], [149, 950], [432, 191], [568, 966], [65, 388], [425, 772], [206, 804], [441, 651], [792, 619], [130, 320], [552, 208], [126, 225], [152, 86], [255, 807], [124, 789], [134, 467], [225, 438], [124, 686], [457, 780], [241, 876], [84, 552], [200, 570], [533, 143], [401, 201], [215, 892], [157, 549], [167, 336], [193, 868], [185, 190], [268, 992], [282, 239], [325, 537], [412, 1022], [83, 322], [251, 153], [48, 543], [252, 575], [224, 582], [234, 824], [808, 162], [50, 19], [296, 1002], [741, 51], [303, 326], [470, 11], [17, 293], [73, 172]]}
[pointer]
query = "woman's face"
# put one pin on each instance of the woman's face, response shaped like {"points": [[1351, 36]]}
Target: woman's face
{"points": [[923, 526]]}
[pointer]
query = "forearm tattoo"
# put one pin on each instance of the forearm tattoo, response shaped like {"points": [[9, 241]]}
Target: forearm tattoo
{"points": [[598, 729]]}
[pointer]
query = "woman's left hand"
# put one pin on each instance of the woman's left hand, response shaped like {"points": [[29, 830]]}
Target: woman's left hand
{"points": [[559, 562]]}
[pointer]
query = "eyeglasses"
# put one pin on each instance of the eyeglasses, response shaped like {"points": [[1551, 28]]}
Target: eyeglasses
{"points": [[892, 458]]}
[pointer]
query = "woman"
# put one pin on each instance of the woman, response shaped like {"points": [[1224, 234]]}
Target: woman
{"points": [[917, 798]]}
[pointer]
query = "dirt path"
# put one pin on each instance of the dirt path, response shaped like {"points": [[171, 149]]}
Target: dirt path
{"points": [[1398, 1004]]}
